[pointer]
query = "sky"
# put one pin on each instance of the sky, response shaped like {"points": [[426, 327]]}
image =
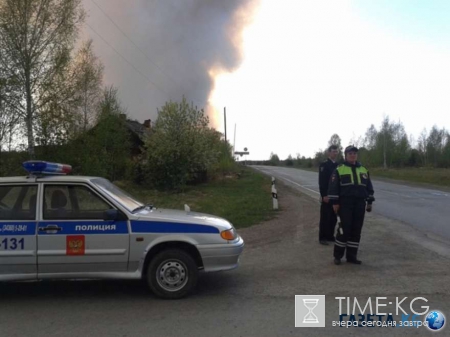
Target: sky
{"points": [[290, 72]]}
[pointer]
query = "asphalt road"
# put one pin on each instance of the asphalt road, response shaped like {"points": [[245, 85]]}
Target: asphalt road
{"points": [[427, 210]]}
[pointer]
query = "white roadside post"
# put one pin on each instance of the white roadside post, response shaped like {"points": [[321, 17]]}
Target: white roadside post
{"points": [[274, 194]]}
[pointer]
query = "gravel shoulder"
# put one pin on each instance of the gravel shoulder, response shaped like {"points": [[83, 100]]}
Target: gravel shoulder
{"points": [[398, 261]]}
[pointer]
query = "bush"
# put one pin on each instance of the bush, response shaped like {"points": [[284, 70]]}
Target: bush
{"points": [[289, 161], [11, 163], [182, 148], [274, 159]]}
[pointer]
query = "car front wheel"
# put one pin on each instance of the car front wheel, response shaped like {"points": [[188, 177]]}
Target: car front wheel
{"points": [[172, 274]]}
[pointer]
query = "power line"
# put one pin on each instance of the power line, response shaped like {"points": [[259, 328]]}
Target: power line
{"points": [[126, 60], [133, 43]]}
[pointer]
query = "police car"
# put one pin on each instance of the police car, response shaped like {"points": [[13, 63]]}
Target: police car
{"points": [[57, 226]]}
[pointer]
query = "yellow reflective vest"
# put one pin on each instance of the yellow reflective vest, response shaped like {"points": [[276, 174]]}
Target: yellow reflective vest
{"points": [[350, 180]]}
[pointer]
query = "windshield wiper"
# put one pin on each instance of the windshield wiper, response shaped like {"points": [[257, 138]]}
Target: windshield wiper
{"points": [[137, 209]]}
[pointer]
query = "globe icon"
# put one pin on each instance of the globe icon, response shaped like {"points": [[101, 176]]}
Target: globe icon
{"points": [[435, 320]]}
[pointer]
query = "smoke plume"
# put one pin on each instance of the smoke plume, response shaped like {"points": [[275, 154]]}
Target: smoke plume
{"points": [[181, 43]]}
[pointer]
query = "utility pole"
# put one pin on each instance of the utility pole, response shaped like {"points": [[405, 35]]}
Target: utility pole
{"points": [[234, 141], [384, 149], [225, 121]]}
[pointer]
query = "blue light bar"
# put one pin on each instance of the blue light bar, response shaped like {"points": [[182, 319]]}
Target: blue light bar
{"points": [[44, 167]]}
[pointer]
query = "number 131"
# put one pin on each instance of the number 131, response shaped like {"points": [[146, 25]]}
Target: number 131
{"points": [[12, 244]]}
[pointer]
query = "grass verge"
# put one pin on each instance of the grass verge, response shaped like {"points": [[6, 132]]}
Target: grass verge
{"points": [[438, 177], [244, 201], [432, 176]]}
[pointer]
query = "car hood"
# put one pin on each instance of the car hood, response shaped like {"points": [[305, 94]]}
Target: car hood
{"points": [[170, 215]]}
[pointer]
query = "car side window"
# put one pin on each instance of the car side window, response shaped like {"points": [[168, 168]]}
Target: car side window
{"points": [[72, 202], [18, 202]]}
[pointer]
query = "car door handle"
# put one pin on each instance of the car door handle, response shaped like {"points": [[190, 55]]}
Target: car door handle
{"points": [[50, 228]]}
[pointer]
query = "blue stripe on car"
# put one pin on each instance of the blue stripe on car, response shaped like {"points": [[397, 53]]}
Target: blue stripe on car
{"points": [[17, 228], [84, 227], [103, 227], [170, 227]]}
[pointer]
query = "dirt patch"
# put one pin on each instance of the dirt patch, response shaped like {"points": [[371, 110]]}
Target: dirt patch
{"points": [[285, 254]]}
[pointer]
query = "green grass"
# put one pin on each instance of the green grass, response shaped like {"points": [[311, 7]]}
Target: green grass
{"points": [[433, 176], [244, 201], [423, 175]]}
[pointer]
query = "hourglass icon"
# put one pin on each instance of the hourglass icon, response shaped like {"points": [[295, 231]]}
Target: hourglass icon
{"points": [[310, 304]]}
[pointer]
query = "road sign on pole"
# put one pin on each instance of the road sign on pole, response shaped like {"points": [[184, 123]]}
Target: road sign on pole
{"points": [[241, 153]]}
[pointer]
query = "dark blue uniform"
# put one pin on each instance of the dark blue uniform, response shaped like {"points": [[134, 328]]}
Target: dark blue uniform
{"points": [[327, 215], [350, 187]]}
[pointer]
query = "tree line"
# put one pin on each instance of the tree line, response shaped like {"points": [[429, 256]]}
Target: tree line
{"points": [[54, 106], [387, 146]]}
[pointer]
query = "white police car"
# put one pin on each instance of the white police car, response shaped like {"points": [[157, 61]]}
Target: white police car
{"points": [[58, 226]]}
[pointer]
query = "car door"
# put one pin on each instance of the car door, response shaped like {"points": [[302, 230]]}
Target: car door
{"points": [[18, 231], [73, 236]]}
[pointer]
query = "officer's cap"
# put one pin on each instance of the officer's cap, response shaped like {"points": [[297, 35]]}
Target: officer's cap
{"points": [[351, 148]]}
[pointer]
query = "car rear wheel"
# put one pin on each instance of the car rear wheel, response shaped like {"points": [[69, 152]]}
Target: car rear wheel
{"points": [[172, 274]]}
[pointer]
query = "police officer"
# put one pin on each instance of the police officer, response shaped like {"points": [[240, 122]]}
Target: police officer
{"points": [[327, 214], [349, 189]]}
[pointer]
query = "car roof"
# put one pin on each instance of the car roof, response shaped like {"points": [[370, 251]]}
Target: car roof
{"points": [[47, 178]]}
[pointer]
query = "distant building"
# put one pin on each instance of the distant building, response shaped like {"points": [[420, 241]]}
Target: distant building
{"points": [[139, 132]]}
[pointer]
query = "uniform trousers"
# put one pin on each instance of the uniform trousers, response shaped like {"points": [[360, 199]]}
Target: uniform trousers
{"points": [[327, 223], [351, 212]]}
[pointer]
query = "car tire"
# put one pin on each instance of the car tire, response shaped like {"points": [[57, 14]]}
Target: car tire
{"points": [[172, 274]]}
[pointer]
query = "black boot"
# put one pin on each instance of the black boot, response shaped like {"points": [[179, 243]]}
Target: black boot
{"points": [[354, 261], [337, 261]]}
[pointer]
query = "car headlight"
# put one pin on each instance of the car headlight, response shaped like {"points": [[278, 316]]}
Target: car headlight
{"points": [[229, 234]]}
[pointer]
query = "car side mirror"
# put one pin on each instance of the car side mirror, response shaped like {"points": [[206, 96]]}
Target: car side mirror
{"points": [[110, 214], [113, 214]]}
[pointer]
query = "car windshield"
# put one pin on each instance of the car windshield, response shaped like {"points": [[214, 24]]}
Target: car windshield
{"points": [[125, 199]]}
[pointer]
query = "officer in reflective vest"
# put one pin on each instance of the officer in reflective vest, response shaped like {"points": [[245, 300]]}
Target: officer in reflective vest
{"points": [[349, 189]]}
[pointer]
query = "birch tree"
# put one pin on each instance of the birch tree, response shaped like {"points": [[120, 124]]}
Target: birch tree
{"points": [[36, 40]]}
